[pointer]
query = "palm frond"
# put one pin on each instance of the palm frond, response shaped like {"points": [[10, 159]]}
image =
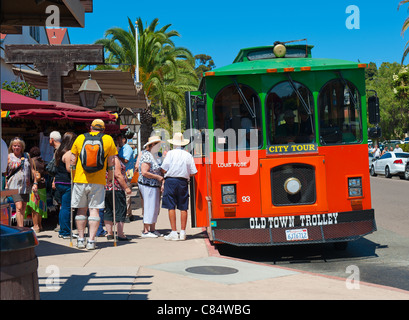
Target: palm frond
{"points": [[402, 2], [405, 26]]}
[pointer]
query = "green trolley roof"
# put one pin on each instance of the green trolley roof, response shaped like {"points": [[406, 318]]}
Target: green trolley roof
{"points": [[262, 63]]}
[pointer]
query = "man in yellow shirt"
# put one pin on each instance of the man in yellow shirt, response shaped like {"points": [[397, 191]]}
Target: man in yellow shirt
{"points": [[89, 188]]}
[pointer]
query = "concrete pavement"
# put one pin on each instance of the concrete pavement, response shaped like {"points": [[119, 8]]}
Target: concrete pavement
{"points": [[155, 269]]}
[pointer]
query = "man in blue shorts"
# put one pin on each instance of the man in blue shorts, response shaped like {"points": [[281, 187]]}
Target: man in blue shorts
{"points": [[178, 167]]}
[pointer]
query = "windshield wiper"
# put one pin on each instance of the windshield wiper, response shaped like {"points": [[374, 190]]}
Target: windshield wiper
{"points": [[349, 89], [356, 106], [307, 108], [246, 103]]}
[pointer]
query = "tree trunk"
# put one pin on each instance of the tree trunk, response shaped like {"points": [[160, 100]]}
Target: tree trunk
{"points": [[146, 125]]}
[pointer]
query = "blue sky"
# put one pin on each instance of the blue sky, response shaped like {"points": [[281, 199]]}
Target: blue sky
{"points": [[221, 28]]}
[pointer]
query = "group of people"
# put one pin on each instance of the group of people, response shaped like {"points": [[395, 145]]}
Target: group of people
{"points": [[170, 179], [377, 153], [106, 189]]}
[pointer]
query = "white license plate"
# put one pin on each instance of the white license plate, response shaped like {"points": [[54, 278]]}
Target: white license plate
{"points": [[296, 234]]}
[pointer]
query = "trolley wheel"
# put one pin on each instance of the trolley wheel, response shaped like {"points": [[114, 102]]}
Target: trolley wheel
{"points": [[387, 173], [341, 246]]}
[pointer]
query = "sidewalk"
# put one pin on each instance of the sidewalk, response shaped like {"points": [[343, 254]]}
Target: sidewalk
{"points": [[155, 269]]}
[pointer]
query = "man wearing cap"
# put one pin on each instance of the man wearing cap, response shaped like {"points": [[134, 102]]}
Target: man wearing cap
{"points": [[89, 188], [178, 167]]}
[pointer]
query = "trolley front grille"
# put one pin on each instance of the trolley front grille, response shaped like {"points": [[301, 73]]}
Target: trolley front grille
{"points": [[304, 173]]}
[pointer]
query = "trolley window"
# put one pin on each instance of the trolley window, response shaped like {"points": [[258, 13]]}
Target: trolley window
{"points": [[289, 118], [237, 115], [339, 105]]}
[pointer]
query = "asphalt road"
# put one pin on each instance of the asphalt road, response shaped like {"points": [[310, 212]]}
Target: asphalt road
{"points": [[379, 258]]}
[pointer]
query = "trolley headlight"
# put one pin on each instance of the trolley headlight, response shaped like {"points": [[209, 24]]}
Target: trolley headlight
{"points": [[355, 187], [229, 193]]}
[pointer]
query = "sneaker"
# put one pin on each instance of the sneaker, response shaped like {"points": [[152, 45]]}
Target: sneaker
{"points": [[156, 232], [182, 236], [63, 237], [81, 244], [91, 245], [149, 235], [172, 236]]}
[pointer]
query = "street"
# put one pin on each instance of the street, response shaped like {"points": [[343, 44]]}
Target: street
{"points": [[382, 257]]}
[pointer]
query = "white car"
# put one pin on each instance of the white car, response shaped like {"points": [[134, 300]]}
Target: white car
{"points": [[390, 164]]}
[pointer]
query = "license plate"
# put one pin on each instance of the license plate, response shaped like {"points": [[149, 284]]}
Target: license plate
{"points": [[296, 234]]}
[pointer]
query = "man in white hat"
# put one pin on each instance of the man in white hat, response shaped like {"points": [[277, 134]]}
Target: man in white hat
{"points": [[178, 167]]}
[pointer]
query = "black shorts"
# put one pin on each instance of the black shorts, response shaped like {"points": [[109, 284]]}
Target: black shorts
{"points": [[175, 194], [120, 206]]}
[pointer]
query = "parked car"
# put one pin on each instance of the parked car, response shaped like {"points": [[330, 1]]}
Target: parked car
{"points": [[390, 164], [407, 170]]}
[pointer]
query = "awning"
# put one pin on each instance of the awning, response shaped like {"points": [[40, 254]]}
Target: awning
{"points": [[14, 101], [28, 108], [112, 82]]}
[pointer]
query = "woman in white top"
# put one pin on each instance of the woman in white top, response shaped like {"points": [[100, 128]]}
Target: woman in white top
{"points": [[18, 177], [150, 182]]}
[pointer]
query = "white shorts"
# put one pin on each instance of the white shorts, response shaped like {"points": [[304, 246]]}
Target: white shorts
{"points": [[88, 195]]}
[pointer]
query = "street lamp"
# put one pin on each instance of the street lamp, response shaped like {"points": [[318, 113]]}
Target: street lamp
{"points": [[129, 119], [111, 104], [89, 93]]}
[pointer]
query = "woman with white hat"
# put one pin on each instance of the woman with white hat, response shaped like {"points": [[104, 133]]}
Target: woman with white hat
{"points": [[150, 183]]}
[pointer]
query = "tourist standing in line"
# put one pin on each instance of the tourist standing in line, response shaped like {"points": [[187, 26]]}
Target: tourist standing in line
{"points": [[178, 166], [62, 182], [149, 182], [18, 177], [37, 202], [126, 155], [121, 190], [89, 187]]}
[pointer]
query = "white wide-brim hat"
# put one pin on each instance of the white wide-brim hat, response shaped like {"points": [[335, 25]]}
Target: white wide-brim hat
{"points": [[151, 140], [178, 140]]}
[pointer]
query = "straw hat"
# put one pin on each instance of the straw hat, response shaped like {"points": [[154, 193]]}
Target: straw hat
{"points": [[151, 140], [178, 140]]}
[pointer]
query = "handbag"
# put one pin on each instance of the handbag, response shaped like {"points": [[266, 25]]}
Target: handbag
{"points": [[51, 168]]}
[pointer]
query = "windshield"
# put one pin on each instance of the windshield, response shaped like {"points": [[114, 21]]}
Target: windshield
{"points": [[339, 105], [237, 115], [287, 118]]}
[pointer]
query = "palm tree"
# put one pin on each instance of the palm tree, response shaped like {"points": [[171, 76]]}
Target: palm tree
{"points": [[404, 28], [165, 70]]}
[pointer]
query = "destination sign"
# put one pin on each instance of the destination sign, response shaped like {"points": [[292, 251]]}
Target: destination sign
{"points": [[293, 148]]}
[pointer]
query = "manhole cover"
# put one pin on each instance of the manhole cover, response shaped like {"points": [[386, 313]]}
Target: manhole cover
{"points": [[212, 270]]}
